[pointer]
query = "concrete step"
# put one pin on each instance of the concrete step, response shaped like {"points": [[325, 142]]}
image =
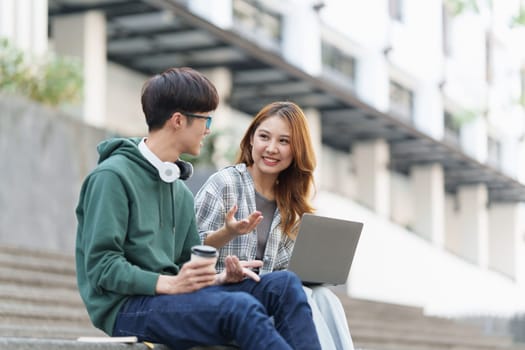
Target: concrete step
{"points": [[425, 323], [415, 338], [22, 276], [39, 301], [35, 260], [11, 321], [387, 346], [43, 312], [384, 326], [15, 343], [49, 330], [449, 329], [44, 295], [377, 308]]}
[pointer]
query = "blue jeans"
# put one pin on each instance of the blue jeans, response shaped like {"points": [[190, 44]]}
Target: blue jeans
{"points": [[217, 315]]}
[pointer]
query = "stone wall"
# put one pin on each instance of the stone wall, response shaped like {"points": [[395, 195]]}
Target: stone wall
{"points": [[44, 156]]}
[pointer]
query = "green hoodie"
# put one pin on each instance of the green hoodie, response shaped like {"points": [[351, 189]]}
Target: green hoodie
{"points": [[132, 227]]}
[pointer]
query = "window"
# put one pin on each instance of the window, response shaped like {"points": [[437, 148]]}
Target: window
{"points": [[493, 151], [395, 9], [452, 129], [522, 80], [488, 57], [446, 27], [401, 101], [253, 17], [338, 64]]}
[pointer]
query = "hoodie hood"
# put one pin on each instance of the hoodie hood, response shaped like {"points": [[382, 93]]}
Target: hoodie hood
{"points": [[124, 147]]}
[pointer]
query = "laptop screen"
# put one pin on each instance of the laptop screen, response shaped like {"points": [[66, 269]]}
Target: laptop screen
{"points": [[324, 249]]}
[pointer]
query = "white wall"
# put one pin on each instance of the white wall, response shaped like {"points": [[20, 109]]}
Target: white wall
{"points": [[394, 265], [366, 25], [338, 173], [124, 85], [503, 223], [465, 67], [401, 200], [24, 23]]}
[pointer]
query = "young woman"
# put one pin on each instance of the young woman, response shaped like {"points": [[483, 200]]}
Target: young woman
{"points": [[270, 187]]}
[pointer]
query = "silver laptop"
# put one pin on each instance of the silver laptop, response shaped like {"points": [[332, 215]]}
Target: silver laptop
{"points": [[324, 249]]}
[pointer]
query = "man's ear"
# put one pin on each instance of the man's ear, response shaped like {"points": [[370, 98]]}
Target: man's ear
{"points": [[176, 120]]}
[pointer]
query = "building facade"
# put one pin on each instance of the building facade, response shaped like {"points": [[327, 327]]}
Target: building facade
{"points": [[417, 111]]}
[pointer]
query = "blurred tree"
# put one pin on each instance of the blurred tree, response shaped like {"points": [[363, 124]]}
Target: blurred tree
{"points": [[519, 19], [208, 156], [52, 80], [457, 7]]}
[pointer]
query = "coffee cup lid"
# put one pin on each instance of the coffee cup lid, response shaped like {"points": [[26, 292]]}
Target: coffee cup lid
{"points": [[204, 250]]}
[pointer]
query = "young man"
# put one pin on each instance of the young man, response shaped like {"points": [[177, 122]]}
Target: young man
{"points": [[136, 227]]}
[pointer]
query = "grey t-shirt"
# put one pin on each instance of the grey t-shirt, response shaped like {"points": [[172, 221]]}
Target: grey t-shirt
{"points": [[267, 208]]}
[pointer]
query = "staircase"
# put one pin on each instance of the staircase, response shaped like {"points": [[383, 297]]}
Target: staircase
{"points": [[382, 326], [40, 308], [39, 297]]}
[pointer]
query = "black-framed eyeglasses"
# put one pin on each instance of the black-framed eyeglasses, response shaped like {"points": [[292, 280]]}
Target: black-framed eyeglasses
{"points": [[207, 117]]}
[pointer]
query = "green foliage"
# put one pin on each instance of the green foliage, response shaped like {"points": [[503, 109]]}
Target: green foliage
{"points": [[52, 80], [58, 81], [209, 150], [518, 20], [457, 7], [465, 116], [206, 155], [521, 100], [14, 72]]}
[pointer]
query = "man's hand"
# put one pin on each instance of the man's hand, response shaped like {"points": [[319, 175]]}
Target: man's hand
{"points": [[240, 227], [193, 276], [236, 270]]}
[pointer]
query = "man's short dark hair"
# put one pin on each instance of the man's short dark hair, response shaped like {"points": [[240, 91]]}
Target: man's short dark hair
{"points": [[176, 89]]}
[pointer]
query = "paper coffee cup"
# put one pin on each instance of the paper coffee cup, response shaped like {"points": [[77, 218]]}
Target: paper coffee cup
{"points": [[204, 252]]}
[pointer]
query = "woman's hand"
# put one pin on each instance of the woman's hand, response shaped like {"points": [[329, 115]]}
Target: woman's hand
{"points": [[236, 270], [233, 228], [240, 227], [193, 276]]}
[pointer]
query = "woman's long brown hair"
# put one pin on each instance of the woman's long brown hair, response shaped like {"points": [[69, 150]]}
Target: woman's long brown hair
{"points": [[294, 184]]}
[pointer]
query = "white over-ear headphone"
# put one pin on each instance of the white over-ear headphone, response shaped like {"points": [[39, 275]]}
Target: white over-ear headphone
{"points": [[168, 171]]}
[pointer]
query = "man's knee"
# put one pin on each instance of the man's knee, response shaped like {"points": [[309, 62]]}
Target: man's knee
{"points": [[286, 281], [242, 303], [283, 275]]}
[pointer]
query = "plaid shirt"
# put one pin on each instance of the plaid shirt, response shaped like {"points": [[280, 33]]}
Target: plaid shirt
{"points": [[234, 185]]}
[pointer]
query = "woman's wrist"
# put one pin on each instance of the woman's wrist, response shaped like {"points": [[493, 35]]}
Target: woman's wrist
{"points": [[229, 233], [220, 238]]}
